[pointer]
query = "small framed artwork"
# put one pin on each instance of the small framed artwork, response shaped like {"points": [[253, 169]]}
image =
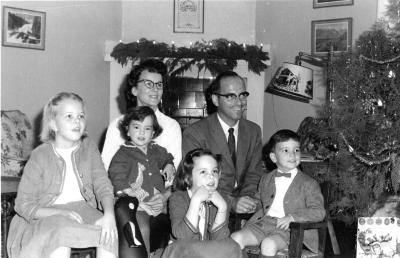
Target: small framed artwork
{"points": [[189, 16], [329, 3], [327, 34], [23, 28]]}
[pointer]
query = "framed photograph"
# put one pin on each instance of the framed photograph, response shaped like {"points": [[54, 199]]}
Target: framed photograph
{"points": [[336, 33], [189, 16], [23, 28], [330, 3]]}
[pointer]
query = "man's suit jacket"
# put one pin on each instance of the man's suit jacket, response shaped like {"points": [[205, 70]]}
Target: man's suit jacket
{"points": [[207, 133], [303, 201]]}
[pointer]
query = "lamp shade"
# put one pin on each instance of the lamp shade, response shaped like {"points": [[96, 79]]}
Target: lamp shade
{"points": [[292, 81]]}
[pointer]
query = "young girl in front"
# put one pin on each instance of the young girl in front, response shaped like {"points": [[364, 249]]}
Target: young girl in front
{"points": [[63, 184], [199, 215], [137, 171]]}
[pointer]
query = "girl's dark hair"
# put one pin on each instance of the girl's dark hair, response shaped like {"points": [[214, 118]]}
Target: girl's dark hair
{"points": [[183, 179], [139, 114], [150, 65]]}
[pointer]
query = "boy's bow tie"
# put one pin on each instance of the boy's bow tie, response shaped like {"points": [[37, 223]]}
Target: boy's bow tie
{"points": [[279, 174]]}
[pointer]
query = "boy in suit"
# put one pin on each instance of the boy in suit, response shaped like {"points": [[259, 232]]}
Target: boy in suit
{"points": [[286, 195], [236, 139]]}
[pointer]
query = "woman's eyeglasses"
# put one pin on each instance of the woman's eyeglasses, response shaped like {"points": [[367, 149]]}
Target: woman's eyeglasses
{"points": [[152, 85], [233, 97]]}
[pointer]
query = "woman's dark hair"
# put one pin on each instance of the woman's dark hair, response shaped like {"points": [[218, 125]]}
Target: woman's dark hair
{"points": [[183, 179], [139, 114], [150, 65]]}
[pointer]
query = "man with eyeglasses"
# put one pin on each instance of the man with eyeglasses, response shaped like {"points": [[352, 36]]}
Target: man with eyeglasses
{"points": [[238, 140]]}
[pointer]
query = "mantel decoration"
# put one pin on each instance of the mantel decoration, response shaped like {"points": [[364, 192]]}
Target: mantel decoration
{"points": [[360, 134], [216, 55]]}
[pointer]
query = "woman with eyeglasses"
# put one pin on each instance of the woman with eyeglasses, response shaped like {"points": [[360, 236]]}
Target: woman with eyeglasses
{"points": [[144, 87]]}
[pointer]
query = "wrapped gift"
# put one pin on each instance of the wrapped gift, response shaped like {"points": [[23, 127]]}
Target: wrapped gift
{"points": [[378, 237]]}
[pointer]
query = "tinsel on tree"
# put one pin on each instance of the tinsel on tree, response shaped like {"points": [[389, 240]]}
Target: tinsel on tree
{"points": [[361, 131]]}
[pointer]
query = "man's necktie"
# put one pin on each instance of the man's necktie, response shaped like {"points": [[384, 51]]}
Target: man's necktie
{"points": [[232, 145], [279, 174]]}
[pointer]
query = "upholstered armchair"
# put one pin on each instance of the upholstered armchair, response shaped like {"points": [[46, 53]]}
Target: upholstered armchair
{"points": [[16, 146], [16, 142]]}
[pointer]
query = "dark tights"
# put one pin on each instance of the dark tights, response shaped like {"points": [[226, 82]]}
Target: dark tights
{"points": [[153, 232]]}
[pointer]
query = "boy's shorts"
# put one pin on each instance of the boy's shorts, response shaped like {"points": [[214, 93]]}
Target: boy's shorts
{"points": [[262, 229]]}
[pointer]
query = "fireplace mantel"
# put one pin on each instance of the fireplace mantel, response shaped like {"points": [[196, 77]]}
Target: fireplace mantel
{"points": [[255, 84]]}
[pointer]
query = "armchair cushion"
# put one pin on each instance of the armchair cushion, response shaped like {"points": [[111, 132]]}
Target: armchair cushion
{"points": [[16, 142]]}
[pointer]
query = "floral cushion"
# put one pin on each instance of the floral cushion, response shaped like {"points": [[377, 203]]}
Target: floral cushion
{"points": [[16, 142]]}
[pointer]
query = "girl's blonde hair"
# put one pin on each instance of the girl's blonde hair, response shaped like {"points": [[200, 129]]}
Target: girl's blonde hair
{"points": [[49, 113]]}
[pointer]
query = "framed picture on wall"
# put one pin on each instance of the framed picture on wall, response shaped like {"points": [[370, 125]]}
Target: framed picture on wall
{"points": [[335, 33], [330, 3], [23, 28], [189, 16]]}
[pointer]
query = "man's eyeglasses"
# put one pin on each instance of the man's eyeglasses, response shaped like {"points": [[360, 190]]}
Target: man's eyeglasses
{"points": [[233, 97], [152, 85]]}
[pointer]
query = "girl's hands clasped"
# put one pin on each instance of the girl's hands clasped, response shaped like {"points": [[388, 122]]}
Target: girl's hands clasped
{"points": [[202, 194], [218, 201]]}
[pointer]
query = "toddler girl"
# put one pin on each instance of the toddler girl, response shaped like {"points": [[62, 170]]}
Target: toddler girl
{"points": [[63, 184], [198, 211], [136, 171]]}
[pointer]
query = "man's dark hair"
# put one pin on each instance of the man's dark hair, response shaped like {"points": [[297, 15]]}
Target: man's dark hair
{"points": [[215, 87], [282, 136]]}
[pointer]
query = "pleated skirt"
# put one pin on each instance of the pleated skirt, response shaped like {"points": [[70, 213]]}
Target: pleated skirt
{"points": [[43, 236]]}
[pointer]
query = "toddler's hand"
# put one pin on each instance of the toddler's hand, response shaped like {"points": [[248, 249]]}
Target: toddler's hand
{"points": [[284, 222], [169, 172]]}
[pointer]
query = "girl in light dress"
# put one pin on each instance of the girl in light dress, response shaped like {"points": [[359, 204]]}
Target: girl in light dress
{"points": [[65, 199]]}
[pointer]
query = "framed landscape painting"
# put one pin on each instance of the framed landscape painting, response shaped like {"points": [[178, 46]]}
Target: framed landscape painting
{"points": [[327, 34], [23, 28], [329, 3]]}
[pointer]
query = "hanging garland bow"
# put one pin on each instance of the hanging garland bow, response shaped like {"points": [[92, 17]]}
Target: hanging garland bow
{"points": [[216, 55]]}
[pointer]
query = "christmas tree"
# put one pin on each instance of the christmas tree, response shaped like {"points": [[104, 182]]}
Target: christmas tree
{"points": [[361, 131]]}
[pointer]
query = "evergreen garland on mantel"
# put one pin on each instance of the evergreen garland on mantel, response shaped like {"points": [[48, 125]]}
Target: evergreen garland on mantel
{"points": [[216, 55]]}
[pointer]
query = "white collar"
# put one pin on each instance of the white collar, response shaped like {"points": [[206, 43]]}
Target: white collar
{"points": [[225, 126]]}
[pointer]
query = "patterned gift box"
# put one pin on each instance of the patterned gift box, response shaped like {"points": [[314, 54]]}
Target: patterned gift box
{"points": [[378, 237]]}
